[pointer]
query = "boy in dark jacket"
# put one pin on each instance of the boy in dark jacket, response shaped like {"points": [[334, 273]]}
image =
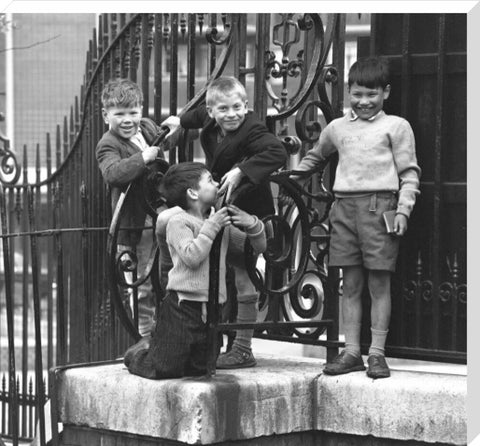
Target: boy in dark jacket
{"points": [[125, 154], [238, 148]]}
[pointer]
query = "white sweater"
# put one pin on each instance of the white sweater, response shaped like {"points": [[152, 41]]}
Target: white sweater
{"points": [[373, 155], [190, 241]]}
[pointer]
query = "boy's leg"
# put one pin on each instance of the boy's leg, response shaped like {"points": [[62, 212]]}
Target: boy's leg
{"points": [[240, 354], [179, 328], [146, 300], [350, 359], [379, 287]]}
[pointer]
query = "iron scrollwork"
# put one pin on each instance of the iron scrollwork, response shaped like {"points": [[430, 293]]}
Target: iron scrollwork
{"points": [[300, 226], [9, 168], [124, 262]]}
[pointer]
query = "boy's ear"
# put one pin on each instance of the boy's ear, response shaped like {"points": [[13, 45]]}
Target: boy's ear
{"points": [[192, 194], [105, 116], [209, 111], [386, 91]]}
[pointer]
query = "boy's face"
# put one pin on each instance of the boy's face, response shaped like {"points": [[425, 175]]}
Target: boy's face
{"points": [[207, 189], [123, 121], [367, 102], [229, 112]]}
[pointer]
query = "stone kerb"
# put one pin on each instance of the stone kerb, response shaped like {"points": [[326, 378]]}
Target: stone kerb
{"points": [[416, 406], [278, 397], [274, 397]]}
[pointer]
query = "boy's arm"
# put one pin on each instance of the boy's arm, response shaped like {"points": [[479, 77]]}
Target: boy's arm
{"points": [[265, 154], [192, 250], [118, 171], [319, 152], [246, 225], [193, 119], [403, 149]]}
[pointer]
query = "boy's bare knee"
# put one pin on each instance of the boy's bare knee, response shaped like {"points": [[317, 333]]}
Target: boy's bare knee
{"points": [[353, 282], [379, 283]]}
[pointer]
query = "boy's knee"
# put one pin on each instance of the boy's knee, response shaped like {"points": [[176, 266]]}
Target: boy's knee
{"points": [[378, 282], [247, 299]]}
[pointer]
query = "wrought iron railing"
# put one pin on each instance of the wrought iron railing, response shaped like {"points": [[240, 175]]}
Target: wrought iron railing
{"points": [[56, 224]]}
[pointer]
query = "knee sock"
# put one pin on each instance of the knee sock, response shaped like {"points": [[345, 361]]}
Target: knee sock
{"points": [[378, 342], [247, 313], [352, 339]]}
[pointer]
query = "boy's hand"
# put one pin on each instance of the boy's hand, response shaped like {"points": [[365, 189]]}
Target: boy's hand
{"points": [[240, 218], [220, 217], [230, 182], [400, 224], [150, 154], [173, 123]]}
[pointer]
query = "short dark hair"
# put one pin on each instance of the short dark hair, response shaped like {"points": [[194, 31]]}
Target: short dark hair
{"points": [[121, 93], [178, 179], [370, 72]]}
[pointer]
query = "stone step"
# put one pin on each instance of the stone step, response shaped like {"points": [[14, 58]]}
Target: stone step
{"points": [[281, 396]]}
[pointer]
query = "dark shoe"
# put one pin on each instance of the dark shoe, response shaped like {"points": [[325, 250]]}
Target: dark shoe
{"points": [[377, 367], [142, 344], [344, 363], [236, 359]]}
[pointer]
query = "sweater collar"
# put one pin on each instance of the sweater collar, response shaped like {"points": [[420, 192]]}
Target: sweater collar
{"points": [[354, 116]]}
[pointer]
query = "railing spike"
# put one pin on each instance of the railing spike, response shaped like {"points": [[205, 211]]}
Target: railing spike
{"points": [[166, 29], [25, 164], [419, 265], [183, 25], [65, 137], [37, 160]]}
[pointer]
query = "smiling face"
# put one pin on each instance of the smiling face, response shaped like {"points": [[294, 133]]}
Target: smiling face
{"points": [[229, 111], [123, 121], [367, 102]]}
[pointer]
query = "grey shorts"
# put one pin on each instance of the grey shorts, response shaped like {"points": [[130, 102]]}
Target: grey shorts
{"points": [[359, 235]]}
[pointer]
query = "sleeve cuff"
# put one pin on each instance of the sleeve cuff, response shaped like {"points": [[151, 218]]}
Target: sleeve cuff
{"points": [[256, 228], [210, 229]]}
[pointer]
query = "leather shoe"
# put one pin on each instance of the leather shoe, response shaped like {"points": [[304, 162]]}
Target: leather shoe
{"points": [[377, 367], [344, 363]]}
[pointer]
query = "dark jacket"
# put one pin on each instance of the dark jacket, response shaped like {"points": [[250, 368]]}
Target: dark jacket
{"points": [[252, 148], [121, 162]]}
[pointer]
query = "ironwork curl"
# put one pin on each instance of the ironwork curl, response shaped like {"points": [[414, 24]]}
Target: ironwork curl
{"points": [[310, 130], [322, 43], [426, 288], [151, 204], [9, 167], [280, 239], [423, 289], [446, 291], [462, 293], [214, 36], [306, 302]]}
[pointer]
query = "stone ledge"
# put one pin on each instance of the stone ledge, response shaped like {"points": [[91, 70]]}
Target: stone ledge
{"points": [[279, 396]]}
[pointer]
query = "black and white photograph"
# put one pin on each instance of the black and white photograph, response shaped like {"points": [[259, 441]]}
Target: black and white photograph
{"points": [[231, 224]]}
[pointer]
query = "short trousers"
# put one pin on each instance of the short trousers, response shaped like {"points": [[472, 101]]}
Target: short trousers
{"points": [[359, 235], [179, 342]]}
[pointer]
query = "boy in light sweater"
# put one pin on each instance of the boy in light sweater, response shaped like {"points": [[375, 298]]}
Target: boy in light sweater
{"points": [[377, 171], [178, 344]]}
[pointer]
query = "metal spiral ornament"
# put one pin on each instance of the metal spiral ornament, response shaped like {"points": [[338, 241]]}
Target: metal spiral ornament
{"points": [[9, 167], [215, 37]]}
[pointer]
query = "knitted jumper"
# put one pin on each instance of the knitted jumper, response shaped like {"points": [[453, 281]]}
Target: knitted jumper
{"points": [[373, 155], [190, 241]]}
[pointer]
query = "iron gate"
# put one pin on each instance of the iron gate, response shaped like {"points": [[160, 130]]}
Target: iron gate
{"points": [[55, 229]]}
